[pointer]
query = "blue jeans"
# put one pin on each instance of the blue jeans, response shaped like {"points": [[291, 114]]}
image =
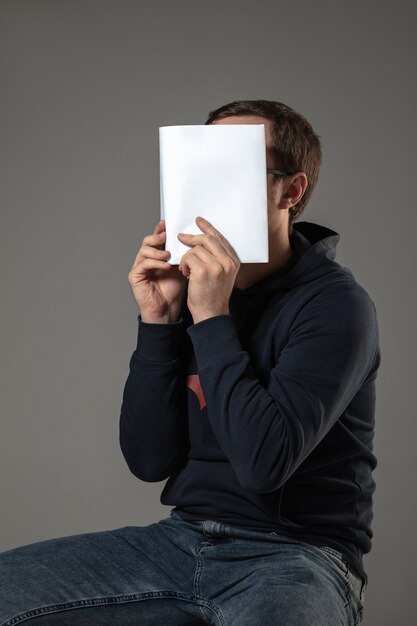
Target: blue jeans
{"points": [[178, 572]]}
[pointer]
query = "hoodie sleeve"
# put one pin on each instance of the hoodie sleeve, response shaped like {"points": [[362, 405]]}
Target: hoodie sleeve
{"points": [[266, 432], [152, 427]]}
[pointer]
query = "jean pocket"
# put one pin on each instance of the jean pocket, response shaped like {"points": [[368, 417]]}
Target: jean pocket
{"points": [[336, 556]]}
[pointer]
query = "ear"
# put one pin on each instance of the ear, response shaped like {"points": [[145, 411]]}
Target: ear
{"points": [[296, 187]]}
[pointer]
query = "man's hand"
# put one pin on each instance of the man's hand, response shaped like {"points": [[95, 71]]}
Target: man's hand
{"points": [[156, 284], [211, 266]]}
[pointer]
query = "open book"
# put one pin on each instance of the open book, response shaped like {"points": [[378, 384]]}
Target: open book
{"points": [[218, 172]]}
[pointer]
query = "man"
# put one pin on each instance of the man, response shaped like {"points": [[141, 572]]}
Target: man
{"points": [[252, 389]]}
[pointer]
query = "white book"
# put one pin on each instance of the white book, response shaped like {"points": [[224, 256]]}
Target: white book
{"points": [[218, 172]]}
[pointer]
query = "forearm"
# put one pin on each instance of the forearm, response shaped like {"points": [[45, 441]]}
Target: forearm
{"points": [[266, 429], [153, 433], [246, 420]]}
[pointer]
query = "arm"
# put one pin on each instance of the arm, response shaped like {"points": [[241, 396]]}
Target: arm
{"points": [[152, 428], [152, 435], [267, 432]]}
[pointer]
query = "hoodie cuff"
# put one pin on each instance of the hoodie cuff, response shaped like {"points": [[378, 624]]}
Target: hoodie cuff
{"points": [[213, 337], [159, 342]]}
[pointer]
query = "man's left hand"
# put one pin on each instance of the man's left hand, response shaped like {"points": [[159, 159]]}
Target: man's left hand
{"points": [[211, 266]]}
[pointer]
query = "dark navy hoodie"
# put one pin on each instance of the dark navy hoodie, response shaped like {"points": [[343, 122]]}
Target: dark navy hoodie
{"points": [[264, 418]]}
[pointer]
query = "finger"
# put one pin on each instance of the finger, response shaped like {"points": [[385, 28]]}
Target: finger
{"points": [[208, 228], [222, 263], [190, 263], [159, 227], [144, 267], [151, 264], [208, 241], [158, 236], [155, 240], [154, 253], [227, 259], [201, 260], [201, 253], [212, 234]]}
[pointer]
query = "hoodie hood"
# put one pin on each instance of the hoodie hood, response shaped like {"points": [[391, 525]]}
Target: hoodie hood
{"points": [[310, 234], [313, 261], [314, 249]]}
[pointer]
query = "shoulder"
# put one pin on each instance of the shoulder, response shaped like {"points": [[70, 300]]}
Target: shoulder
{"points": [[337, 286], [339, 304], [348, 296]]}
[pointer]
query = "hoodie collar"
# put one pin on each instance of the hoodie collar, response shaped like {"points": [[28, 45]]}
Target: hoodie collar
{"points": [[314, 249], [315, 234]]}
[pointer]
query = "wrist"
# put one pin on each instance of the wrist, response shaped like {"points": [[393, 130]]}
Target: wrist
{"points": [[201, 316], [162, 319]]}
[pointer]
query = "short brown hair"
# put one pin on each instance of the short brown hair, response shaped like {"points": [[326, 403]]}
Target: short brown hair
{"points": [[297, 147]]}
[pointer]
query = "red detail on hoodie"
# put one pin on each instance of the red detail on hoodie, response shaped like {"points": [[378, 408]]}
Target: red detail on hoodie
{"points": [[193, 383]]}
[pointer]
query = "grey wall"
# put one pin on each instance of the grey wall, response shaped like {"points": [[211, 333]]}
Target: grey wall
{"points": [[84, 86]]}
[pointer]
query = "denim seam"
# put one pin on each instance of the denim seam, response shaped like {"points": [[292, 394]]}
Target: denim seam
{"points": [[197, 572], [359, 617], [111, 600], [197, 589]]}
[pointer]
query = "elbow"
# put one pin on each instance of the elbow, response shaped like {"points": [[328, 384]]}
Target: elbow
{"points": [[266, 469], [148, 472], [146, 467]]}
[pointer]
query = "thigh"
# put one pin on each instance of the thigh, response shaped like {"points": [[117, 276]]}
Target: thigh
{"points": [[278, 582], [109, 577], [299, 589]]}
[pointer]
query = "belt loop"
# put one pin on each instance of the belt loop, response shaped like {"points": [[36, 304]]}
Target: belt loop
{"points": [[213, 529]]}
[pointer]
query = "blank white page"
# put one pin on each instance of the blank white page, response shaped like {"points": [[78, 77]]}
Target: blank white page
{"points": [[218, 172]]}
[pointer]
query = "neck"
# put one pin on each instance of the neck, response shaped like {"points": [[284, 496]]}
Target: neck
{"points": [[280, 253]]}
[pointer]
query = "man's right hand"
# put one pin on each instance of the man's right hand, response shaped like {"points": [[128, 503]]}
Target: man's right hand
{"points": [[157, 285]]}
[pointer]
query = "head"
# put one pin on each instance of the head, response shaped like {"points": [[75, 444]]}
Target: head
{"points": [[292, 145]]}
